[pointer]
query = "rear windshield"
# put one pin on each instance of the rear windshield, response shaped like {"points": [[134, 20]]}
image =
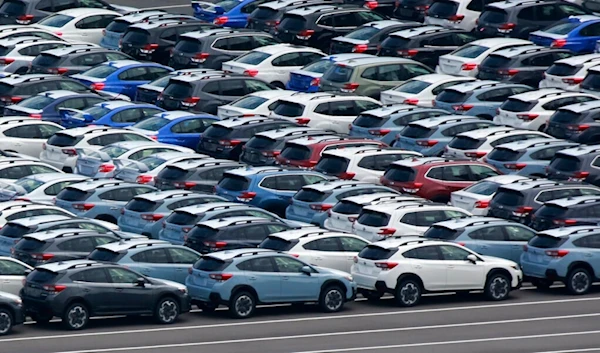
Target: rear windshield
{"points": [[338, 73], [136, 36], [141, 205], [63, 140], [517, 105], [373, 218], [203, 232], [504, 155], [368, 120], [30, 244], [492, 15], [508, 197], [100, 71], [292, 22], [333, 165], [416, 131], [233, 182], [264, 13], [178, 90], [465, 143], [153, 124], [173, 173], [319, 66], [5, 88], [310, 195], [252, 58], [46, 60], [296, 152], [400, 173], [347, 207], [289, 109], [13, 8], [439, 232], [185, 45], [495, 61], [13, 230], [591, 81], [207, 263], [412, 86], [217, 131], [36, 102], [546, 242], [551, 211], [73, 194], [41, 275], [363, 33], [565, 163], [105, 255], [249, 102], [470, 51], [182, 218], [261, 143], [486, 188], [563, 28], [4, 50], [374, 252], [566, 117], [452, 96], [56, 20], [117, 26], [278, 244], [395, 42], [561, 69], [227, 5]]}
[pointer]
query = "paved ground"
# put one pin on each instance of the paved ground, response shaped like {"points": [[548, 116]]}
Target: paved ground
{"points": [[530, 321], [174, 6]]}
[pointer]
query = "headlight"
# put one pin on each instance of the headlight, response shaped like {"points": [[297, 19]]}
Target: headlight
{"points": [[183, 290], [349, 278], [516, 267], [18, 301]]}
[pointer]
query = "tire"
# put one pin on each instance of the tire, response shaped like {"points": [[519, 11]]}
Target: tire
{"points": [[541, 283], [408, 292], [76, 316], [332, 299], [497, 287], [578, 281], [167, 311], [242, 305], [6, 322]]}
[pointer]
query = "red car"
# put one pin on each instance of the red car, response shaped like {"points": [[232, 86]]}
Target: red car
{"points": [[435, 178]]}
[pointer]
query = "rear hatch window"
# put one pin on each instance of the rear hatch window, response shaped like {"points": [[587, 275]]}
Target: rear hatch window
{"points": [[118, 26], [182, 218], [5, 88], [233, 182], [179, 90], [73, 194], [508, 197], [13, 230], [217, 131], [252, 58], [210, 264], [395, 42], [546, 242], [363, 33], [486, 188], [105, 255], [310, 195], [591, 81], [141, 205], [439, 232], [504, 154], [565, 163], [452, 96], [493, 15], [136, 36], [496, 61], [561, 69], [564, 116], [374, 252], [465, 143], [188, 45], [332, 165], [373, 218], [264, 13], [289, 109], [13, 8], [249, 102], [4, 50], [63, 140], [277, 243], [292, 23], [296, 152], [41, 275], [203, 232], [442, 9], [338, 73], [417, 131], [551, 211], [100, 71], [517, 105], [368, 120], [261, 143], [412, 86], [347, 207], [400, 173], [563, 28], [30, 245], [470, 51], [173, 173]]}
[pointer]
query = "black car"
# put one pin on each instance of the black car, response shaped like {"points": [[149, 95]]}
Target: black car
{"points": [[424, 44], [367, 38], [524, 64], [79, 289], [577, 122], [572, 211], [154, 40], [73, 60], [315, 26], [11, 312], [195, 175], [26, 12], [268, 15], [580, 164], [413, 10]]}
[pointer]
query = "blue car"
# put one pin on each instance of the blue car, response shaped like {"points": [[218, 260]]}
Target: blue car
{"points": [[242, 278], [122, 76], [47, 106], [176, 127], [227, 13], [307, 79], [114, 114], [575, 33]]}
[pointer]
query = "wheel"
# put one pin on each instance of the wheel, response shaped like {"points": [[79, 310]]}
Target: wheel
{"points": [[6, 321], [579, 281], [408, 292], [497, 287], [331, 299], [76, 317], [40, 319], [167, 311], [242, 305], [372, 295], [541, 283]]}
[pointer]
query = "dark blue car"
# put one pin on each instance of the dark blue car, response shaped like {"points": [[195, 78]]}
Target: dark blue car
{"points": [[115, 114], [575, 33], [228, 13]]}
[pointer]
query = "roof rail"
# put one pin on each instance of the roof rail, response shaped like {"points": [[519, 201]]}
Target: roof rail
{"points": [[74, 233], [89, 264], [251, 252]]}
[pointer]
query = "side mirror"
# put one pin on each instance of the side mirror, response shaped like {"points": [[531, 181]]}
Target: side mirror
{"points": [[306, 270], [140, 282], [472, 258]]}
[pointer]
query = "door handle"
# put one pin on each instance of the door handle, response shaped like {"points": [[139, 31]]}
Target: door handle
{"points": [[119, 289], [450, 266], [418, 266], [252, 278], [285, 278], [115, 208]]}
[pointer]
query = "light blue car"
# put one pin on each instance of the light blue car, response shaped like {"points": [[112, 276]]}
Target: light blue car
{"points": [[430, 136], [485, 235], [240, 279], [153, 258]]}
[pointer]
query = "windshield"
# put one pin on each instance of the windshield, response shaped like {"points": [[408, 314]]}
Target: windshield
{"points": [[517, 105], [210, 264], [396, 42], [105, 255], [217, 131], [373, 218], [292, 22], [233, 182], [470, 51], [56, 20], [173, 173], [113, 151], [150, 162], [495, 61], [36, 102], [152, 124], [252, 58], [249, 102], [261, 142], [566, 117], [338, 73], [100, 71], [546, 242], [46, 60], [486, 188], [141, 205], [412, 86], [29, 184], [368, 120], [264, 13], [591, 81], [551, 211], [73, 194], [347, 207], [363, 33], [374, 252], [416, 131], [443, 9], [508, 197], [310, 195]]}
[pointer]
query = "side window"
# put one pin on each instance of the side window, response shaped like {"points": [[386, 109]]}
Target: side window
{"points": [[424, 253], [96, 275], [240, 43], [182, 256], [324, 244], [393, 72], [114, 56], [569, 10], [290, 59], [488, 233], [496, 95], [516, 233], [189, 126], [309, 57], [154, 256], [72, 103], [367, 162], [427, 218], [479, 172], [311, 179], [475, 5], [155, 72], [544, 196], [362, 105], [415, 70], [92, 22], [44, 5], [211, 88], [591, 241], [133, 74], [11, 268], [342, 108], [326, 21], [83, 244], [234, 88], [370, 73], [288, 265], [256, 86], [544, 60], [454, 253], [409, 218], [443, 86], [21, 132], [56, 188], [456, 173], [14, 172], [263, 264], [352, 244], [220, 44], [548, 13], [547, 153], [322, 108], [346, 20], [169, 35], [128, 116], [89, 59], [256, 232], [121, 275]]}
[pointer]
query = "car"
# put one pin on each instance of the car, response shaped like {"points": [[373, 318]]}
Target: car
{"points": [[485, 235], [163, 299], [18, 209], [435, 178], [570, 211], [531, 110], [257, 103], [576, 164], [225, 13], [527, 157], [144, 170], [18, 53], [430, 136], [368, 37], [576, 122], [114, 114], [152, 258], [267, 15], [568, 73], [99, 199], [79, 24], [327, 111], [341, 216], [389, 267], [143, 214], [333, 250], [305, 152], [478, 143], [210, 48], [25, 135], [196, 175], [121, 76], [11, 312], [103, 163], [523, 65], [589, 83], [421, 90], [465, 60], [14, 31], [316, 25], [12, 273], [360, 163], [575, 33], [330, 288], [12, 169], [384, 123], [60, 150], [518, 201], [205, 93], [478, 98], [476, 198], [150, 92], [563, 254], [72, 59], [38, 188], [311, 203]]}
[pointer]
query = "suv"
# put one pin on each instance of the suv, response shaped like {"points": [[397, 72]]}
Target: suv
{"points": [[195, 175], [269, 188], [421, 90], [267, 16], [315, 26], [424, 44], [435, 178], [412, 10], [569, 73], [576, 122], [226, 138], [17, 53], [519, 200], [13, 210], [50, 291], [459, 14], [576, 164], [326, 111], [233, 288], [209, 49], [73, 60], [370, 76], [369, 37], [525, 65], [570, 211], [410, 268], [205, 93], [476, 198]]}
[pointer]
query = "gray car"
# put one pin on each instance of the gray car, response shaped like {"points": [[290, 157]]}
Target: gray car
{"points": [[195, 175], [73, 60]]}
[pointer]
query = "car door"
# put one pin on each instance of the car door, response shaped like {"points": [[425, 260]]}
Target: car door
{"points": [[97, 288], [231, 90], [153, 263], [351, 247], [462, 274], [130, 79], [187, 132], [12, 274], [456, 177], [127, 295], [17, 139], [588, 36], [74, 249], [126, 117], [90, 28], [427, 263], [283, 65], [518, 237], [181, 260], [324, 252], [296, 285], [490, 241], [262, 275]]}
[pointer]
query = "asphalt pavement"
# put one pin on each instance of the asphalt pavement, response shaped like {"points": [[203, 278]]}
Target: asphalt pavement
{"points": [[173, 6], [530, 321]]}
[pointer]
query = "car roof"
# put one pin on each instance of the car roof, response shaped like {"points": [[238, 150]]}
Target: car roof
{"points": [[311, 140], [459, 223], [94, 184], [580, 59], [230, 254], [580, 150], [335, 184], [301, 233], [473, 85], [122, 63], [12, 41], [575, 200], [438, 120], [367, 151], [493, 42], [303, 97], [164, 194], [396, 242], [272, 94], [233, 122], [230, 221], [16, 79], [532, 184], [536, 142], [167, 156], [127, 244], [47, 177], [392, 109], [417, 31], [511, 3], [78, 131], [582, 107], [81, 11], [16, 204], [58, 94], [129, 145], [375, 60], [140, 15], [435, 78], [66, 265], [73, 49], [212, 206], [520, 50], [288, 131], [265, 170], [308, 10], [55, 233], [539, 94], [505, 179], [157, 23], [565, 232], [31, 221], [379, 197], [197, 163], [114, 104], [174, 114], [216, 32], [486, 132], [284, 48]]}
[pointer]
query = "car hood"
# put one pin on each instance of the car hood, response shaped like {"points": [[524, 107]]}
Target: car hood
{"points": [[9, 296], [498, 260], [170, 283], [331, 271]]}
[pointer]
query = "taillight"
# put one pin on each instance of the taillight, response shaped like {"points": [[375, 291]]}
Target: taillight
{"points": [[371, 5], [221, 20], [143, 179], [461, 108], [321, 207], [557, 253], [468, 67], [302, 121], [246, 196], [573, 81], [579, 176], [565, 222], [215, 244], [386, 265], [229, 143], [190, 101], [6, 61], [184, 185], [412, 188], [506, 27], [456, 18], [98, 86], [558, 43], [24, 19], [387, 231], [477, 154], [360, 48], [186, 229], [522, 211], [305, 34], [408, 53], [379, 132], [315, 81], [54, 288], [427, 143], [411, 101], [42, 257], [581, 127], [515, 166], [251, 73], [200, 57], [350, 87], [527, 116], [347, 176], [509, 72], [106, 168], [482, 204], [148, 48], [83, 206], [71, 152], [35, 116], [221, 277], [152, 217]]}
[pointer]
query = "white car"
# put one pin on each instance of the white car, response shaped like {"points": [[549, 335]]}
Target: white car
{"points": [[318, 247], [591, 82], [79, 24], [407, 268], [12, 274], [17, 53], [144, 170], [273, 63], [569, 73], [257, 103], [476, 198], [25, 135], [40, 188], [13, 31], [421, 90], [16, 210], [12, 169], [457, 14], [465, 60], [532, 110]]}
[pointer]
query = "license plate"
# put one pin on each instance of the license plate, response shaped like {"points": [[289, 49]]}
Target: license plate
{"points": [[201, 281], [210, 147]]}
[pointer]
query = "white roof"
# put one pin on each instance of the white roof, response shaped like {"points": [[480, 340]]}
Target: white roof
{"points": [[49, 177], [130, 145], [566, 231], [330, 185], [65, 265], [121, 63], [416, 31], [514, 51], [212, 32], [504, 179], [499, 42], [583, 106], [435, 121], [163, 194], [279, 133], [85, 11], [396, 242], [525, 144], [212, 206], [471, 221], [31, 221], [58, 94], [441, 78], [483, 133], [229, 254], [580, 59], [272, 94], [379, 197], [473, 85], [124, 245], [226, 222], [283, 48], [391, 109], [310, 140], [249, 170], [303, 11], [304, 232], [367, 151], [389, 208], [418, 161], [114, 104], [537, 94], [51, 234], [581, 150], [172, 115], [576, 200]]}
